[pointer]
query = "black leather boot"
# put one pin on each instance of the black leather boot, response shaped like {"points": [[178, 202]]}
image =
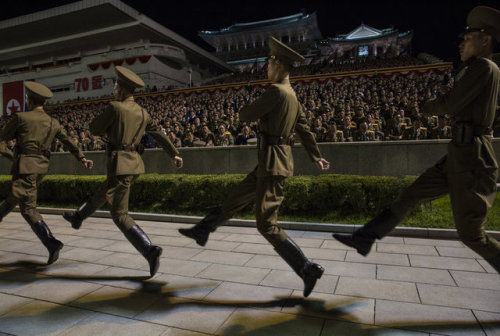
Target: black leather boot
{"points": [[201, 231], [77, 217], [141, 242], [363, 238], [53, 245], [495, 262], [5, 208], [308, 271]]}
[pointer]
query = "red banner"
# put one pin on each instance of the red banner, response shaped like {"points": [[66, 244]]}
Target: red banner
{"points": [[13, 97]]}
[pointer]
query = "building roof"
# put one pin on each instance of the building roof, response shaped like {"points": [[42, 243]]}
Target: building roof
{"points": [[365, 32], [248, 26], [89, 25]]}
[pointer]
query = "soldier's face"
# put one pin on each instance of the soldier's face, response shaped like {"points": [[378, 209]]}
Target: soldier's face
{"points": [[470, 46]]}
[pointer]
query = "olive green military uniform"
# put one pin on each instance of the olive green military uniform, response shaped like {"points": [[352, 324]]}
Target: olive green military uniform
{"points": [[276, 111], [120, 122], [34, 131], [469, 171], [124, 123]]}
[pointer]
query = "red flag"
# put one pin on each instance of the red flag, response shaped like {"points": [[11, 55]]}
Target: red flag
{"points": [[13, 97]]}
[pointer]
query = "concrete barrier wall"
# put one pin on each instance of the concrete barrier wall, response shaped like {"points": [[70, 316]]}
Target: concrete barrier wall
{"points": [[388, 158]]}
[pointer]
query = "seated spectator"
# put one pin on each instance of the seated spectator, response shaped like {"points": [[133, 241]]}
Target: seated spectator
{"points": [[244, 136], [223, 137]]}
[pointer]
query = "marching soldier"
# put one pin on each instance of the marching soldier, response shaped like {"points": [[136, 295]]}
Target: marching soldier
{"points": [[470, 170], [279, 114], [124, 122], [34, 132]]}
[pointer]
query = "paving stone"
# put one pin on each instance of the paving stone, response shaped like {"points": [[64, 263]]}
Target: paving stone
{"points": [[489, 321], [116, 301], [460, 252], [11, 302], [182, 332], [187, 314], [477, 280], [469, 298], [94, 243], [329, 306], [71, 269], [171, 241], [379, 258], [308, 242], [216, 245], [322, 253], [238, 229], [487, 267], [182, 267], [12, 280], [57, 290], [241, 295], [186, 287], [246, 238], [392, 240], [288, 279], [378, 289], [84, 254], [41, 318], [271, 262], [345, 268], [247, 321], [433, 242], [426, 318], [406, 249], [317, 234], [450, 263], [120, 246], [16, 245], [223, 257], [125, 260], [339, 328], [248, 275], [180, 253], [124, 278], [255, 248], [414, 274], [334, 244], [109, 325]]}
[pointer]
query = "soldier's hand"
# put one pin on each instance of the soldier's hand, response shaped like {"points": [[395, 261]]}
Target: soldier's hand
{"points": [[87, 163], [177, 160], [322, 164]]}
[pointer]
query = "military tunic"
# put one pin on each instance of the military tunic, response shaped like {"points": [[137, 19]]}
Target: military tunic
{"points": [[34, 131], [469, 171], [276, 110], [120, 122]]}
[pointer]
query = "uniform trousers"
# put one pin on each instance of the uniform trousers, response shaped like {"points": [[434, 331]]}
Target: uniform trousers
{"points": [[115, 191], [24, 193], [472, 194], [267, 191]]}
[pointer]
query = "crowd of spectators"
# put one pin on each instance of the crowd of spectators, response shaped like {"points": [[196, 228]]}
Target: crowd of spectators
{"points": [[374, 108], [322, 65]]}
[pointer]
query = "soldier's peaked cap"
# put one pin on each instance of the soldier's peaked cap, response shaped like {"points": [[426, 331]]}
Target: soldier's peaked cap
{"points": [[39, 90], [128, 78], [283, 52], [484, 19]]}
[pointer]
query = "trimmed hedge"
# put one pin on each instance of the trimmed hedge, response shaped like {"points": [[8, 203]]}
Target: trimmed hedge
{"points": [[304, 195]]}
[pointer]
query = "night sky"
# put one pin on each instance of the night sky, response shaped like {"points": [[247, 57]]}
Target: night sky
{"points": [[436, 24]]}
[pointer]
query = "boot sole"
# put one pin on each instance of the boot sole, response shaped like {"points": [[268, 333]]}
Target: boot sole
{"points": [[347, 240], [187, 233], [156, 266], [54, 255], [74, 225]]}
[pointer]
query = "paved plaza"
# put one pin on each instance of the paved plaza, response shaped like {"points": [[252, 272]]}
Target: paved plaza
{"points": [[237, 285]]}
